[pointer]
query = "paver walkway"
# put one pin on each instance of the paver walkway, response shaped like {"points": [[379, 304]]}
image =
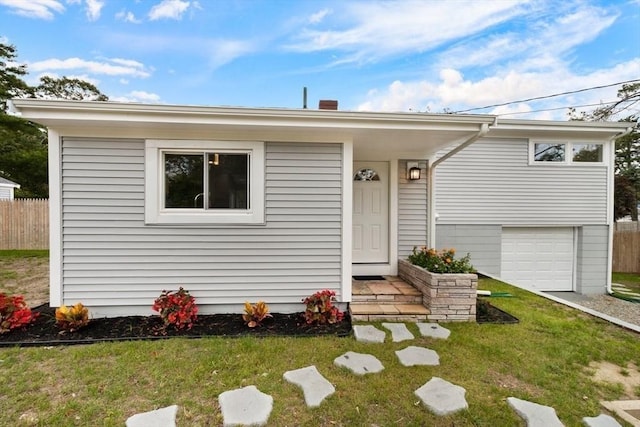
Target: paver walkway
{"points": [[249, 406]]}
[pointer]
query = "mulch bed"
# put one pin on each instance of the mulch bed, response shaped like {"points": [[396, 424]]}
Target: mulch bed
{"points": [[487, 313], [43, 331]]}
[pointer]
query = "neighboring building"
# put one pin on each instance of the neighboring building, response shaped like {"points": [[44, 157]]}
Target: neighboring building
{"points": [[240, 204], [7, 189]]}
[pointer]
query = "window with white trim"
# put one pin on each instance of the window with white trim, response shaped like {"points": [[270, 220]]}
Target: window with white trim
{"points": [[565, 153], [204, 182]]}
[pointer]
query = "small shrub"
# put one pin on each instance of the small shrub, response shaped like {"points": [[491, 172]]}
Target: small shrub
{"points": [[177, 308], [440, 261], [320, 308], [14, 313], [254, 315], [72, 318]]}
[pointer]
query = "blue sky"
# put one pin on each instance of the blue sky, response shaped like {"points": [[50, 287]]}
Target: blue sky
{"points": [[405, 55]]}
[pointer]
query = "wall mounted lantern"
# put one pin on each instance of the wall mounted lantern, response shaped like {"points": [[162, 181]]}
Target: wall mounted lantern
{"points": [[413, 171]]}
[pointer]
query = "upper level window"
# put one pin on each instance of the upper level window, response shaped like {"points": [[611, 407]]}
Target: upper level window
{"points": [[204, 182], [591, 153], [551, 152]]}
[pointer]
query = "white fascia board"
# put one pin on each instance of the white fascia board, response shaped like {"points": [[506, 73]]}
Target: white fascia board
{"points": [[531, 128], [56, 112]]}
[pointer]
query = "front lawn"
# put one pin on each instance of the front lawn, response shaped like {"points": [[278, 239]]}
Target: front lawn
{"points": [[543, 359], [630, 280]]}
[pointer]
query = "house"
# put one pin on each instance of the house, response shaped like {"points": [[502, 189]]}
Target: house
{"points": [[7, 188], [240, 204]]}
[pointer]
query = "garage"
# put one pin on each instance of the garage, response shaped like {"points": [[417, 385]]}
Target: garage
{"points": [[541, 258]]}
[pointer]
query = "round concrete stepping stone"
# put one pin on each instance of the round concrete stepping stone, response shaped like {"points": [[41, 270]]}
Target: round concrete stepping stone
{"points": [[163, 417], [359, 363], [533, 414], [399, 331], [412, 356], [441, 397], [368, 333], [314, 386], [433, 330], [245, 406], [601, 420]]}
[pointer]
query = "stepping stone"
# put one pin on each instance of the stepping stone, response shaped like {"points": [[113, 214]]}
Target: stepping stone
{"points": [[245, 406], [314, 386], [368, 333], [359, 363], [433, 330], [412, 356], [601, 420], [441, 397], [163, 417], [535, 415], [399, 331]]}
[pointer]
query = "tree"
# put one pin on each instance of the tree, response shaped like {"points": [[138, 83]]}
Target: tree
{"points": [[68, 88], [23, 144]]}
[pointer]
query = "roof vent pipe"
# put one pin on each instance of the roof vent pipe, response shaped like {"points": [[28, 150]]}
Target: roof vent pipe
{"points": [[304, 97], [328, 104]]}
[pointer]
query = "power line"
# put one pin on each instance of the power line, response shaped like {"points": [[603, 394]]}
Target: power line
{"points": [[546, 96], [558, 108]]}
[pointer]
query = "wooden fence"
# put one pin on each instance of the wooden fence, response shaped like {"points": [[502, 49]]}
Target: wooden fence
{"points": [[24, 224], [626, 247]]}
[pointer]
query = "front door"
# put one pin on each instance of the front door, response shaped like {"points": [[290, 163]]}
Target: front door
{"points": [[370, 212]]}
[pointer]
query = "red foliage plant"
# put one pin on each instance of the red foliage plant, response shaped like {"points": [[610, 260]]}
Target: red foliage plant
{"points": [[14, 313], [320, 308], [177, 308]]}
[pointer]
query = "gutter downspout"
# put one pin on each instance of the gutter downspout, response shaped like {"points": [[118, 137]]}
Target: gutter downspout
{"points": [[610, 200], [431, 193]]}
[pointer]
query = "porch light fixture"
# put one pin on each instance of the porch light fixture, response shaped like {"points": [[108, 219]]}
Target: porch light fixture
{"points": [[413, 171]]}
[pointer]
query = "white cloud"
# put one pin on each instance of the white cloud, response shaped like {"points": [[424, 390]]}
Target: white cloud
{"points": [[93, 9], [137, 96], [111, 67], [127, 16], [537, 46], [319, 16], [40, 9], [384, 29], [453, 91], [168, 9]]}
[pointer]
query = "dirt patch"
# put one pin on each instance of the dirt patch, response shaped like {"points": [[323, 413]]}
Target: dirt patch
{"points": [[628, 377], [26, 276], [510, 382]]}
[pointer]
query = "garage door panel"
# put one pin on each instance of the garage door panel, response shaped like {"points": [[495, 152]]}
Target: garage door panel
{"points": [[540, 258]]}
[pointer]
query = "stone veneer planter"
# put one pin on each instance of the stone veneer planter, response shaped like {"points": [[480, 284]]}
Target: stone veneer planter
{"points": [[449, 297]]}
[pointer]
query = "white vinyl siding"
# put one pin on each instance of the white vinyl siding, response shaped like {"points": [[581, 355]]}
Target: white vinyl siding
{"points": [[6, 193], [412, 210], [492, 182], [481, 242], [111, 258]]}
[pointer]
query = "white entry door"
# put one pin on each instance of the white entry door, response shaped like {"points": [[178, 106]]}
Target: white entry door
{"points": [[539, 258], [370, 212]]}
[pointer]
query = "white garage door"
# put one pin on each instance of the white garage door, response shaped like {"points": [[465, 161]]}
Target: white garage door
{"points": [[538, 258]]}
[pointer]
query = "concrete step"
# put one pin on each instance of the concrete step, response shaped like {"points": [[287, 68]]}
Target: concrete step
{"points": [[388, 312], [390, 291]]}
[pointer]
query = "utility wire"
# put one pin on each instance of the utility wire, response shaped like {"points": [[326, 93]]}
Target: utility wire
{"points": [[546, 96], [557, 108]]}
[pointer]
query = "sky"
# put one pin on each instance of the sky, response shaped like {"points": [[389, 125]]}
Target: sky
{"points": [[396, 56]]}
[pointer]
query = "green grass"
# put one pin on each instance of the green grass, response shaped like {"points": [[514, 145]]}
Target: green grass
{"points": [[15, 254], [542, 358], [630, 280]]}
